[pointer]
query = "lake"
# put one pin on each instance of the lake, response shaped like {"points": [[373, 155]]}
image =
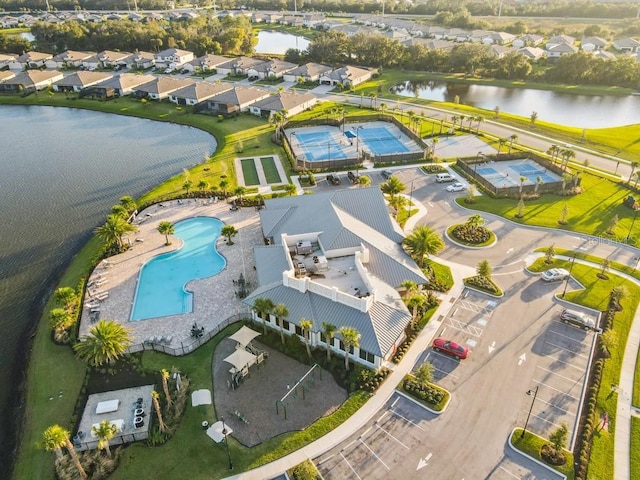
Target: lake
{"points": [[63, 169], [583, 111], [278, 43]]}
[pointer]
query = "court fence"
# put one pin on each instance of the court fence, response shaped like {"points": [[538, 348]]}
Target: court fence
{"points": [[82, 445], [196, 341], [469, 166], [299, 162]]}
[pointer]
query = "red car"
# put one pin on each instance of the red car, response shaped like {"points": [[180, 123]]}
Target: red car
{"points": [[450, 348]]}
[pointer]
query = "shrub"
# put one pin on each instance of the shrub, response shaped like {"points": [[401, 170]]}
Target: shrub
{"points": [[468, 234], [423, 391], [483, 283]]}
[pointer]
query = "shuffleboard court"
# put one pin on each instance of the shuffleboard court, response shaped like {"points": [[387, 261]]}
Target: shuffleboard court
{"points": [[270, 170], [250, 172]]}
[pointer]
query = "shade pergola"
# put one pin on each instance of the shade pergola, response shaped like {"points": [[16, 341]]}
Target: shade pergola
{"points": [[241, 359], [244, 336]]}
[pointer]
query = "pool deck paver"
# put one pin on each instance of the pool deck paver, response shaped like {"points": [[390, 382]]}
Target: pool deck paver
{"points": [[214, 298]]}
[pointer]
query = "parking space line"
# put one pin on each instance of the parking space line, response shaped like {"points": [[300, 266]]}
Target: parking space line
{"points": [[579, 380], [407, 420], [568, 364], [558, 408], [374, 454], [568, 350], [446, 373], [544, 420], [510, 473], [565, 336], [380, 428], [461, 326], [556, 389], [474, 308], [381, 416], [352, 469]]}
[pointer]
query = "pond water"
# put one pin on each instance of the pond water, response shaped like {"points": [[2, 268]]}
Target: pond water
{"points": [[584, 111], [278, 42], [62, 170]]}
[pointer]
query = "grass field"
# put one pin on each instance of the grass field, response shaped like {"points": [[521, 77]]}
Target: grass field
{"points": [[249, 172], [531, 445], [270, 170]]}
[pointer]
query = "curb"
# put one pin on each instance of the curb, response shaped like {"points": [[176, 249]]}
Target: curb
{"points": [[526, 455], [435, 412]]}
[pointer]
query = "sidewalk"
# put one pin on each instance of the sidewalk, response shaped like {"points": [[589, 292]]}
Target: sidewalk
{"points": [[378, 400]]}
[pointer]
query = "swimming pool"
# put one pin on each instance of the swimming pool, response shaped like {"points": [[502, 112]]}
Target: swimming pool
{"points": [[161, 284]]}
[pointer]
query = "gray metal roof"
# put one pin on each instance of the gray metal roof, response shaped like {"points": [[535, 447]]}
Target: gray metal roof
{"points": [[379, 328], [270, 262]]}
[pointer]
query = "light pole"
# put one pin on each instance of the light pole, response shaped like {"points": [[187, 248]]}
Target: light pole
{"points": [[358, 148], [475, 164], [566, 283], [329, 152], [635, 215], [410, 199], [535, 394], [226, 442]]}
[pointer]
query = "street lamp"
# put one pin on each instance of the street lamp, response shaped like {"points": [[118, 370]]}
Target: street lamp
{"points": [[566, 283], [226, 442], [329, 152], [635, 215], [475, 164], [535, 394], [358, 148]]}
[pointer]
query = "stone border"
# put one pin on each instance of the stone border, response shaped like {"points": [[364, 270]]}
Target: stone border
{"points": [[420, 404]]}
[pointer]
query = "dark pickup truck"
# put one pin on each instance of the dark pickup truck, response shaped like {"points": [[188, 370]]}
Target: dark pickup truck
{"points": [[333, 179], [352, 178]]}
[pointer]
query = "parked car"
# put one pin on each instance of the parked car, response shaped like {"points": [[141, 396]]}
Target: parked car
{"points": [[578, 319], [450, 348], [456, 187], [444, 177], [353, 178], [554, 275], [386, 173], [333, 179], [631, 202]]}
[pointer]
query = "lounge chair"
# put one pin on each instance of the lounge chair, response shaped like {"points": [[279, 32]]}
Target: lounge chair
{"points": [[167, 339], [95, 310]]}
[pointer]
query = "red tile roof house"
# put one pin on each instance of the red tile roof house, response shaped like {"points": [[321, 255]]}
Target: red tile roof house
{"points": [[30, 81], [161, 87], [78, 81], [289, 102]]}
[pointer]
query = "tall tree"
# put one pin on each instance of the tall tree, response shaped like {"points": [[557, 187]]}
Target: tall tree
{"points": [[393, 186], [166, 229], [262, 307], [54, 438], [229, 231], [114, 228], [105, 431], [164, 373], [106, 342], [66, 298], [350, 338], [513, 138], [306, 326], [156, 404], [281, 312], [475, 221], [329, 331], [423, 242]]}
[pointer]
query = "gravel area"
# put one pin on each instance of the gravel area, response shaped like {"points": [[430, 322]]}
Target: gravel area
{"points": [[256, 397]]}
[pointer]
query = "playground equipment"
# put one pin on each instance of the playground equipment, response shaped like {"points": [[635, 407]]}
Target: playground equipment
{"points": [[314, 373]]}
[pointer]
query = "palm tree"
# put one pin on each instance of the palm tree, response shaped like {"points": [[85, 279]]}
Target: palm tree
{"points": [[329, 331], [415, 303], [156, 404], [129, 204], [522, 180], [423, 241], [66, 297], [475, 221], [383, 107], [306, 326], [454, 120], [350, 338], [501, 143], [165, 385], [479, 119], [54, 438], [567, 155], [392, 187], [364, 181], [105, 431], [187, 185], [166, 229], [512, 138], [203, 185], [114, 228], [538, 183], [229, 231], [554, 151], [224, 183], [60, 319], [120, 211], [262, 307], [410, 287], [290, 189], [634, 166], [239, 191], [398, 203], [281, 312], [107, 342]]}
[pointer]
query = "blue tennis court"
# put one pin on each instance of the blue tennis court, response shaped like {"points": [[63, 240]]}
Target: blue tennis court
{"points": [[381, 141], [509, 173], [318, 146]]}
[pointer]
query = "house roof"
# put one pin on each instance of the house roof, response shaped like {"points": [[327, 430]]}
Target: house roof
{"points": [[240, 95], [563, 48], [347, 72], [271, 261], [169, 52], [274, 66], [34, 56], [6, 75], [161, 85], [201, 91], [82, 79], [111, 56], [72, 56], [532, 52], [597, 41], [126, 81], [211, 60], [309, 70], [626, 42], [33, 77], [561, 39], [284, 101]]}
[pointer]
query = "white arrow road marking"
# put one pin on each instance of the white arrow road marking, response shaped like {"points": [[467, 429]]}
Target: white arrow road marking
{"points": [[492, 347], [510, 251], [430, 204], [522, 358], [446, 203], [423, 461]]}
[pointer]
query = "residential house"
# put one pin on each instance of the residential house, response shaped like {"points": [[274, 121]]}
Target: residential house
{"points": [[206, 63], [533, 53], [160, 87], [309, 72], [284, 102], [557, 51], [9, 22], [136, 17], [30, 81], [6, 59], [30, 60], [114, 17], [27, 20], [627, 45], [270, 69], [292, 21], [6, 75], [455, 34], [499, 51], [173, 58], [498, 38], [400, 34], [529, 40], [143, 60], [110, 59], [430, 31], [591, 44], [198, 92], [234, 100], [347, 76], [238, 66], [477, 36], [559, 40], [80, 80], [312, 20], [121, 85], [603, 54], [153, 17], [348, 232], [68, 59]]}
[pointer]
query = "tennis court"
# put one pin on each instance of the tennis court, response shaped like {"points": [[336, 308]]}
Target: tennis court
{"points": [[250, 172], [317, 146], [381, 141], [507, 174]]}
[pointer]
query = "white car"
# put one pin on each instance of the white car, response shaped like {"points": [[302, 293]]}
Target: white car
{"points": [[554, 275], [456, 187]]}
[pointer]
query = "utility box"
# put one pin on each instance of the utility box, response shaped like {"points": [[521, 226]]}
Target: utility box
{"points": [[304, 248]]}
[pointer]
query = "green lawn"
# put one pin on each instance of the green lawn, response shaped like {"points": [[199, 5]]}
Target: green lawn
{"points": [[531, 444], [270, 170], [249, 172], [596, 296], [442, 273]]}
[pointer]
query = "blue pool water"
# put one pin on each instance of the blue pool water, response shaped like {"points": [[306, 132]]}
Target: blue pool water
{"points": [[161, 286], [318, 146], [380, 141]]}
